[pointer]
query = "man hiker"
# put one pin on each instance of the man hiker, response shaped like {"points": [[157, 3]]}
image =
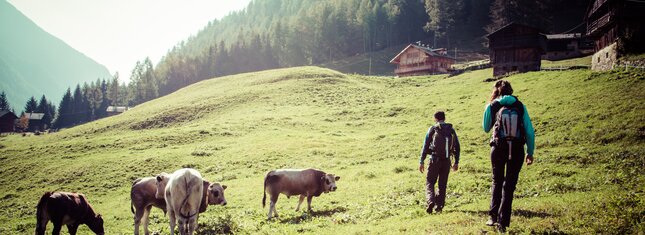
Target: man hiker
{"points": [[440, 143], [512, 129]]}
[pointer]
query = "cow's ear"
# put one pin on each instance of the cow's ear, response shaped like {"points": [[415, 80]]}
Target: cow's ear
{"points": [[224, 186], [337, 178]]}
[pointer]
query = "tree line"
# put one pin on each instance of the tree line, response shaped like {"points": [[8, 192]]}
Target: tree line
{"points": [[271, 34]]}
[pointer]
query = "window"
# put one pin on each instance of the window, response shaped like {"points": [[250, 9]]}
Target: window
{"points": [[606, 54]]}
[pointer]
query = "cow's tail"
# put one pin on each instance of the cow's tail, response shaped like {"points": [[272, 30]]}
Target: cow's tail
{"points": [[268, 179], [41, 214], [131, 192], [183, 203], [264, 197]]}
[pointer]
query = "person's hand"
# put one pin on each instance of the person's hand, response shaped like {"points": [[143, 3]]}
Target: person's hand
{"points": [[421, 167], [529, 159], [455, 167]]}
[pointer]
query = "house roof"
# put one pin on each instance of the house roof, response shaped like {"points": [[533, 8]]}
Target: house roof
{"points": [[117, 109], [427, 50], [35, 116], [7, 112]]}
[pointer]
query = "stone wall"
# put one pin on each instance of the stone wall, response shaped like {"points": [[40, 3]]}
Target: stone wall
{"points": [[605, 59]]}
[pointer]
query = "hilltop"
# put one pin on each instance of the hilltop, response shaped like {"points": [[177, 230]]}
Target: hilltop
{"points": [[34, 62], [588, 176]]}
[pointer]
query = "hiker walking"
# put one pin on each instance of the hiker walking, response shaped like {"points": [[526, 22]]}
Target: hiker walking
{"points": [[440, 142], [512, 128]]}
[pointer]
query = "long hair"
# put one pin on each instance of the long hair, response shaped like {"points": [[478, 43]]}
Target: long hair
{"points": [[502, 87]]}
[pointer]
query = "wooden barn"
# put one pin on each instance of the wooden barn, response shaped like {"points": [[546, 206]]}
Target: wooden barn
{"points": [[35, 122], [566, 46], [419, 60], [516, 48], [617, 28], [7, 121]]}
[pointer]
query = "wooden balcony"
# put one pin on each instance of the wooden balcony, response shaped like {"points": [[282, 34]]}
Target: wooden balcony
{"points": [[411, 69], [594, 26]]}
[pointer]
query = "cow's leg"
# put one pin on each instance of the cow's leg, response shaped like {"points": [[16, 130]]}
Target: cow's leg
{"points": [[41, 225], [146, 220], [71, 228], [138, 215], [182, 226], [172, 220], [192, 223], [57, 227], [302, 198], [309, 197], [274, 200]]}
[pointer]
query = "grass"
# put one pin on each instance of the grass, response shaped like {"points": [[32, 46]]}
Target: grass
{"points": [[588, 176]]}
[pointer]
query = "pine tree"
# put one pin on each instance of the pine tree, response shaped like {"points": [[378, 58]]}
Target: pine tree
{"points": [[44, 107], [113, 92], [527, 12], [4, 103], [31, 105], [65, 115]]}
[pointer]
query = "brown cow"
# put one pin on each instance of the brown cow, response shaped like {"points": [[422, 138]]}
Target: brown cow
{"points": [[71, 209], [143, 198], [306, 183]]}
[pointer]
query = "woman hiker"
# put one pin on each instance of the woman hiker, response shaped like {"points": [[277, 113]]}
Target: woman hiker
{"points": [[512, 129]]}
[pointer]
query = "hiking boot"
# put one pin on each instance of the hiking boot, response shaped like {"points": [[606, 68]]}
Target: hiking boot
{"points": [[492, 220]]}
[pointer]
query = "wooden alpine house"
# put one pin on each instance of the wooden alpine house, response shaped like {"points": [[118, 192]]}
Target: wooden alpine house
{"points": [[419, 60], [617, 28], [516, 48]]}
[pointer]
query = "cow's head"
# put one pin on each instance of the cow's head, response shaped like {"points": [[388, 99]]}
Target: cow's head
{"points": [[162, 180], [96, 224], [216, 194], [329, 182]]}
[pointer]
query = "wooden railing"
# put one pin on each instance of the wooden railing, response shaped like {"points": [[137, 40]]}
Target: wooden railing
{"points": [[600, 22], [413, 69]]}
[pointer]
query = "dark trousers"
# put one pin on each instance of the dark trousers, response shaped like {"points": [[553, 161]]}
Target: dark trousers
{"points": [[437, 169], [505, 175]]}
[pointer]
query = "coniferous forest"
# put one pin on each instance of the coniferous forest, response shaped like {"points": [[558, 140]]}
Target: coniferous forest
{"points": [[285, 33]]}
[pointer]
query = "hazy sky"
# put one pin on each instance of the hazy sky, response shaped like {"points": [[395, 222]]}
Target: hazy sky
{"points": [[117, 33]]}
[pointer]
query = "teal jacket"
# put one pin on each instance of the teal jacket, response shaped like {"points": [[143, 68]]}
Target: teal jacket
{"points": [[488, 122]]}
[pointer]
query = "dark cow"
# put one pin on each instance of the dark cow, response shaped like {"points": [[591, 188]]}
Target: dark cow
{"points": [[71, 209], [143, 198], [306, 183]]}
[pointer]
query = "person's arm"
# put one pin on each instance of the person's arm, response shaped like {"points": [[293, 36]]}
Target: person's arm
{"points": [[426, 145], [487, 124], [530, 133], [455, 147]]}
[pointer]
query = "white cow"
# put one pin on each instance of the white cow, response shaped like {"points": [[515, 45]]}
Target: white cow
{"points": [[183, 192]]}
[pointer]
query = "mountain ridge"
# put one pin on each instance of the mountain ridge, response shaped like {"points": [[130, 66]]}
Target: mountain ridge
{"points": [[34, 62]]}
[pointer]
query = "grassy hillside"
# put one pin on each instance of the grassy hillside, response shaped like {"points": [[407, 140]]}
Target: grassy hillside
{"points": [[588, 176]]}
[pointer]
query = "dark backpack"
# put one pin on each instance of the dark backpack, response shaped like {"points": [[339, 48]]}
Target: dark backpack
{"points": [[442, 140], [508, 127]]}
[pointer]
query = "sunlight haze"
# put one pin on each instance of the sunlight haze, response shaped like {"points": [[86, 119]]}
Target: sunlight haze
{"points": [[118, 33]]}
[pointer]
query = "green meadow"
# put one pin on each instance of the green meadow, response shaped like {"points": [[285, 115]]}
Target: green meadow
{"points": [[588, 175]]}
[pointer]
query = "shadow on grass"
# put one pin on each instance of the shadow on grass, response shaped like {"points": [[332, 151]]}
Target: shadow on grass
{"points": [[518, 212], [304, 216]]}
